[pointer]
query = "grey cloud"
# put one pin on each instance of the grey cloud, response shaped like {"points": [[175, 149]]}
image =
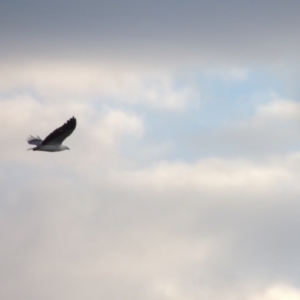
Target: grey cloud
{"points": [[193, 32], [89, 223], [65, 236], [86, 224], [272, 130]]}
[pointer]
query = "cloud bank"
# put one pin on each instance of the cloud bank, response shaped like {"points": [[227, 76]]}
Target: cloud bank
{"points": [[182, 179], [165, 33]]}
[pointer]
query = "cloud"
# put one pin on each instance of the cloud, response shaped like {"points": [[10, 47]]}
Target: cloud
{"points": [[171, 33], [57, 82], [121, 215], [209, 174], [118, 123], [82, 224], [173, 230], [278, 292], [229, 74], [280, 109], [271, 130]]}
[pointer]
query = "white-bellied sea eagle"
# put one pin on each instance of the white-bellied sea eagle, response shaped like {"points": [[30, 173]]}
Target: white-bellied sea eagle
{"points": [[52, 143]]}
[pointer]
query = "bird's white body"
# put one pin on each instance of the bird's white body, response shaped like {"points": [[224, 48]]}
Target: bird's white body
{"points": [[51, 148]]}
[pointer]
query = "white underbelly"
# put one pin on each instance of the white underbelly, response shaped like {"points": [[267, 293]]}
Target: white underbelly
{"points": [[50, 148]]}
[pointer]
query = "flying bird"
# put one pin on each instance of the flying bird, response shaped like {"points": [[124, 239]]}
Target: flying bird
{"points": [[52, 143]]}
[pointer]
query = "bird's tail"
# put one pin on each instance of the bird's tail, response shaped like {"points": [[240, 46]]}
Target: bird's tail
{"points": [[34, 148]]}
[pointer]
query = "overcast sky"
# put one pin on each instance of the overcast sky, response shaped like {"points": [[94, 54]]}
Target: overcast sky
{"points": [[182, 182]]}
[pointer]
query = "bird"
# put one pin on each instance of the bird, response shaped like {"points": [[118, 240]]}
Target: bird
{"points": [[53, 142]]}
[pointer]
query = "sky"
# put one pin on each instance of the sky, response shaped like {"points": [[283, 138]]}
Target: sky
{"points": [[182, 182]]}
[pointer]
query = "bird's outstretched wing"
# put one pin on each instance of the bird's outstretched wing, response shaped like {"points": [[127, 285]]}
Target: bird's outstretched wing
{"points": [[61, 133], [34, 140]]}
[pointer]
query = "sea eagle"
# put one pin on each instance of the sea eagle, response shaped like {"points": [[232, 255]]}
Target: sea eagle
{"points": [[52, 143]]}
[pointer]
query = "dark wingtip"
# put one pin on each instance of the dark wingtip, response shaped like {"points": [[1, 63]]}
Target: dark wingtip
{"points": [[73, 121]]}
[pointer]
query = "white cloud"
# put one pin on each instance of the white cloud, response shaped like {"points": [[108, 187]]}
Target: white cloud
{"points": [[75, 230], [171, 231], [278, 292], [90, 223], [210, 174], [273, 129], [57, 82], [280, 109], [117, 123]]}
